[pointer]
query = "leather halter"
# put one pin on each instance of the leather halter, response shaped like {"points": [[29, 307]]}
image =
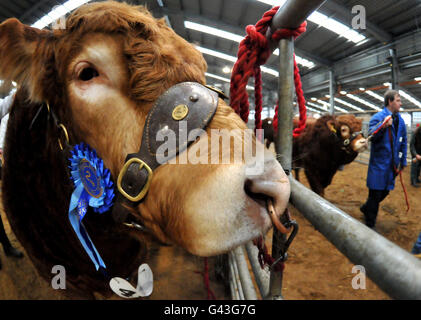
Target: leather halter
{"points": [[345, 143], [348, 141], [187, 101]]}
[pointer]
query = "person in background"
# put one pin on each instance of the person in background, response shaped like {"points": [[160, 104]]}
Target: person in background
{"points": [[5, 105], [387, 155], [415, 148], [416, 250]]}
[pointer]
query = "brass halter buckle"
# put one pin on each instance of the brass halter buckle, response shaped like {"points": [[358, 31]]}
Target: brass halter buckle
{"points": [[145, 188]]}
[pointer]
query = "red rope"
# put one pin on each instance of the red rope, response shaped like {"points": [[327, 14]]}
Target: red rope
{"points": [[211, 295], [265, 258], [380, 127], [205, 274], [404, 191], [252, 53], [301, 104]]}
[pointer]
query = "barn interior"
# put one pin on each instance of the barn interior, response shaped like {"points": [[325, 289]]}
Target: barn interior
{"points": [[352, 52]]}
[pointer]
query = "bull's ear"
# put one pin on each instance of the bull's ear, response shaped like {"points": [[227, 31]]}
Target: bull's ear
{"points": [[331, 124], [23, 51]]}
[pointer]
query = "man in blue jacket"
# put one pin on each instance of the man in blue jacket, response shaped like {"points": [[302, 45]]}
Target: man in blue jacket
{"points": [[387, 155]]}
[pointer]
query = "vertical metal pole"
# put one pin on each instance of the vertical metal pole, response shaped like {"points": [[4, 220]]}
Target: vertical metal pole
{"points": [[262, 277], [395, 70], [283, 142], [237, 281], [412, 121], [244, 273], [332, 91]]}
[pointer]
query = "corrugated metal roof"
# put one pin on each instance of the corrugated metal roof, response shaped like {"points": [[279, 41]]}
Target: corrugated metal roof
{"points": [[386, 19]]}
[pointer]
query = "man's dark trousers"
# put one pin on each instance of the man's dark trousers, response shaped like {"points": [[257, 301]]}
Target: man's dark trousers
{"points": [[415, 172], [371, 207]]}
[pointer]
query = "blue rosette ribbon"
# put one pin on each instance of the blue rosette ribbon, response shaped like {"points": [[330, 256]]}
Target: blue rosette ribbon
{"points": [[93, 188]]}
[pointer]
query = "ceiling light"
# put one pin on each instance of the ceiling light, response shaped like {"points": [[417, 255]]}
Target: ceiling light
{"points": [[362, 101], [336, 26], [375, 95], [227, 57], [216, 54], [341, 109], [73, 4], [362, 89], [343, 92], [226, 70], [304, 62], [236, 38], [327, 105], [314, 110], [213, 31], [418, 79], [214, 76], [410, 98], [57, 12], [348, 104], [272, 3], [317, 106]]}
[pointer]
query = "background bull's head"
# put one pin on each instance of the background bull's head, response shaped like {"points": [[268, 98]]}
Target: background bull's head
{"points": [[349, 128]]}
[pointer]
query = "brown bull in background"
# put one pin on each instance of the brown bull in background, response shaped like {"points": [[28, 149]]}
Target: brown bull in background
{"points": [[323, 147]]}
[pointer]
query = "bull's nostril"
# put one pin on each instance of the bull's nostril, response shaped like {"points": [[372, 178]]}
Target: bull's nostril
{"points": [[260, 198], [247, 185]]}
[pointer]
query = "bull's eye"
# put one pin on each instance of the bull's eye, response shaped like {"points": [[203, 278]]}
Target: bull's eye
{"points": [[88, 74]]}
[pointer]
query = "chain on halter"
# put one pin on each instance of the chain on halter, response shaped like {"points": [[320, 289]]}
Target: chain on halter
{"points": [[252, 53]]}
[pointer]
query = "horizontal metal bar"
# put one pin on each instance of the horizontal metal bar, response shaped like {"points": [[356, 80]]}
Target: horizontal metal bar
{"points": [[378, 33], [393, 269], [291, 15]]}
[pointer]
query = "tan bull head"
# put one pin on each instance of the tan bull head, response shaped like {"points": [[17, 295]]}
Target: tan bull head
{"points": [[102, 75], [350, 128]]}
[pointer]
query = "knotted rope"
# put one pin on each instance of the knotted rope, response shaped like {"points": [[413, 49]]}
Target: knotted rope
{"points": [[205, 274], [265, 258], [254, 51]]}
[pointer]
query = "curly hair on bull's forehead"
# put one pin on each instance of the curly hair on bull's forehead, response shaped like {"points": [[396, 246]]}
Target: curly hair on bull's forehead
{"points": [[351, 121], [110, 17], [157, 57]]}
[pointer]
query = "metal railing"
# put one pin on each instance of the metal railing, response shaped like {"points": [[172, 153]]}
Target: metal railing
{"points": [[393, 269]]}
